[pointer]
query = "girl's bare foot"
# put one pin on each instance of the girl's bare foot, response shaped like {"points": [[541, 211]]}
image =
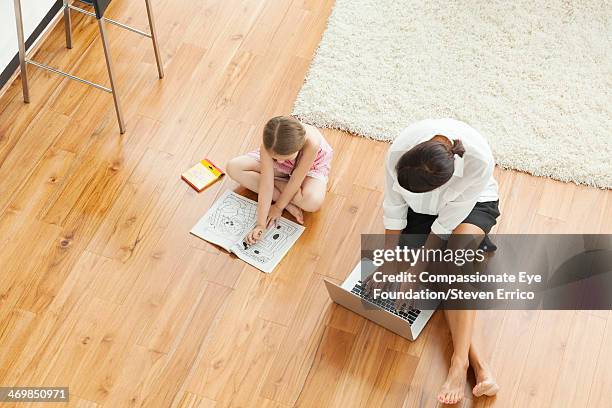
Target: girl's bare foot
{"points": [[296, 211], [485, 382], [452, 389]]}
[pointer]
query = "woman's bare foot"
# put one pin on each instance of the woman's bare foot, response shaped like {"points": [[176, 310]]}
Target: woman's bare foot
{"points": [[485, 382], [296, 211], [452, 390]]}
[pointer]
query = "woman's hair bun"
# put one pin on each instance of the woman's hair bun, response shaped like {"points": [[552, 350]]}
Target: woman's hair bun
{"points": [[458, 148]]}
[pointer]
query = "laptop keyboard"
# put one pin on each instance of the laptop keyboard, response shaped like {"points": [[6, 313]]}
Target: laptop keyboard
{"points": [[387, 304]]}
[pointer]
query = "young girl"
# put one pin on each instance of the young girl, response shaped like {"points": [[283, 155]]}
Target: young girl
{"points": [[290, 169]]}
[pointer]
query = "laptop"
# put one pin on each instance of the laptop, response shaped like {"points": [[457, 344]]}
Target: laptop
{"points": [[351, 294]]}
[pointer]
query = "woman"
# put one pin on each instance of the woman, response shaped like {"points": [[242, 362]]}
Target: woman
{"points": [[439, 181]]}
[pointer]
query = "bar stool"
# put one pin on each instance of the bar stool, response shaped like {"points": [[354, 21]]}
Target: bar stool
{"points": [[100, 7]]}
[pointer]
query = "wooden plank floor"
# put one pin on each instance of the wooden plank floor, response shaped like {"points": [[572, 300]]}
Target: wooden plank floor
{"points": [[103, 290]]}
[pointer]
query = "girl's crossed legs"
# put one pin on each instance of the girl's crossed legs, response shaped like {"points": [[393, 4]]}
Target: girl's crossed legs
{"points": [[246, 170]]}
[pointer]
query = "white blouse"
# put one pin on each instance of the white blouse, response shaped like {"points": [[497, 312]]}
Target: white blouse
{"points": [[471, 182]]}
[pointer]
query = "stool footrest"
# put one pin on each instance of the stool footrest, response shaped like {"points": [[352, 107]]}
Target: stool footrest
{"points": [[114, 22], [67, 75]]}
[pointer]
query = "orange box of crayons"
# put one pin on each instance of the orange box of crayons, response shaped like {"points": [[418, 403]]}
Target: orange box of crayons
{"points": [[202, 175]]}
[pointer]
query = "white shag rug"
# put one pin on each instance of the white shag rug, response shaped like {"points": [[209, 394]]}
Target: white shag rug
{"points": [[534, 76]]}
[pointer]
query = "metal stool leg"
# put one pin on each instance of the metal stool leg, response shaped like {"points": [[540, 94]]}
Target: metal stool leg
{"points": [[160, 67], [22, 52], [111, 74], [67, 24]]}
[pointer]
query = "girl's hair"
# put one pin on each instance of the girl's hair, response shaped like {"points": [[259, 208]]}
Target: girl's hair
{"points": [[428, 165], [284, 135]]}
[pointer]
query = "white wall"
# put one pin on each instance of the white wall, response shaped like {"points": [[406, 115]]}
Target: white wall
{"points": [[33, 12]]}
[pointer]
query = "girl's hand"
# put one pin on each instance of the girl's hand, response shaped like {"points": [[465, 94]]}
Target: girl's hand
{"points": [[273, 215], [255, 234]]}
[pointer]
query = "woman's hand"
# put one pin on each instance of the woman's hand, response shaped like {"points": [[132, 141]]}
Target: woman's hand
{"points": [[404, 304], [255, 234], [397, 285], [387, 269], [273, 215]]}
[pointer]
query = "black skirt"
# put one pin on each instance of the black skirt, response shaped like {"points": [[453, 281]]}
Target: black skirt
{"points": [[483, 215]]}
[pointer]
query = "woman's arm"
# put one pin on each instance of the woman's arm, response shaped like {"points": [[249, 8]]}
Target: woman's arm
{"points": [[452, 213], [395, 207], [307, 157], [266, 187]]}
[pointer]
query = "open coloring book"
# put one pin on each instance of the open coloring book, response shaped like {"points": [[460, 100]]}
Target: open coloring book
{"points": [[228, 221]]}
